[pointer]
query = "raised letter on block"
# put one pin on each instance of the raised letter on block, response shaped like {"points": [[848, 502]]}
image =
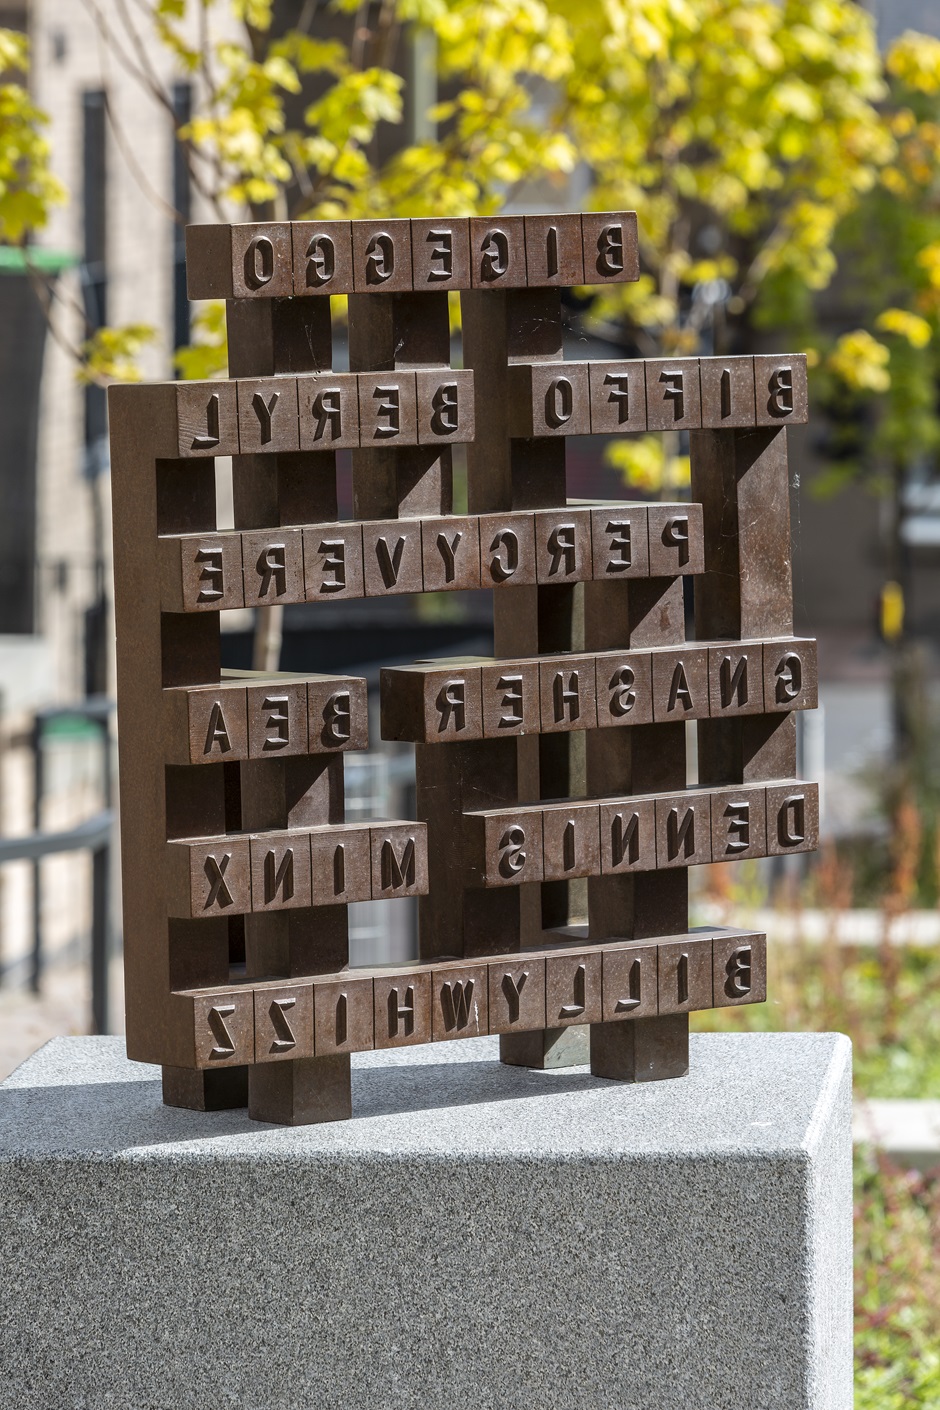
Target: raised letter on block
{"points": [[459, 1001], [620, 542], [333, 562], [517, 994], [322, 257], [341, 864], [450, 554], [790, 675], [685, 975], [402, 1008], [399, 860], [739, 823], [440, 254], [570, 841], [343, 1016], [630, 985], [573, 988], [611, 251], [792, 818], [283, 1022], [553, 251], [780, 388], [683, 830], [739, 969], [328, 408], [510, 698], [497, 252], [223, 1028], [727, 391], [381, 256], [677, 539]]}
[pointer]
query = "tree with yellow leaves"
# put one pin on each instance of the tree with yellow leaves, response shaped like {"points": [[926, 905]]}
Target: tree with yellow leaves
{"points": [[742, 131]]}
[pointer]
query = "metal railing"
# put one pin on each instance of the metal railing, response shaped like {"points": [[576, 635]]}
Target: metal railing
{"points": [[93, 835]]}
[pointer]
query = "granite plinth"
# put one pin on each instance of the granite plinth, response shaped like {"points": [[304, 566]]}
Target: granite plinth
{"points": [[476, 1236]]}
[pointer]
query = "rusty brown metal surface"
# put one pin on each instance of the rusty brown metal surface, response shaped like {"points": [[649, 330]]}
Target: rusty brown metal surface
{"points": [[551, 848]]}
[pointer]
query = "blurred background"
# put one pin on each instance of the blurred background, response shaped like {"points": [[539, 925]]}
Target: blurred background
{"points": [[784, 159]]}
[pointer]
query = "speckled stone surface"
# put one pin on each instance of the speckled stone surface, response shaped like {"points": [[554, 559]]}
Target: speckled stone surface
{"points": [[477, 1236]]}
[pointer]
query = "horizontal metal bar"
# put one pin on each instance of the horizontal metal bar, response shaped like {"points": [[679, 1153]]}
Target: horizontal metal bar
{"points": [[93, 833]]}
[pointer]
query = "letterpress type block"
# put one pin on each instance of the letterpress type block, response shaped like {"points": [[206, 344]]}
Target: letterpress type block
{"points": [[211, 877], [402, 1008], [567, 697], [273, 566], [790, 675], [549, 399], [517, 994], [507, 847], [620, 542], [624, 687], [341, 864], [673, 394], [391, 553], [780, 389], [680, 684], [207, 418], [739, 823], [450, 554], [792, 818], [322, 256], [430, 703], [553, 252], [262, 261], [337, 714], [739, 969], [562, 545], [735, 679], [267, 414], [677, 539], [727, 385], [239, 261], [570, 840], [445, 405], [399, 859], [611, 249], [685, 974], [510, 698], [683, 830], [201, 572], [573, 988], [618, 397], [630, 982], [333, 562], [280, 871], [328, 407], [342, 1015], [459, 1001], [283, 1022], [223, 1028], [388, 413], [628, 835], [440, 254], [277, 718], [206, 725], [507, 549], [497, 252], [381, 256]]}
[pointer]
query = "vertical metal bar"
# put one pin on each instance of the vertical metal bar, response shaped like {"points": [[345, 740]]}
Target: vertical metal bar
{"points": [[35, 976], [100, 937]]}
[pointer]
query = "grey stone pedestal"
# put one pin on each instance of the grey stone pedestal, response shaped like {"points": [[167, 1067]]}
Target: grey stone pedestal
{"points": [[477, 1236]]}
